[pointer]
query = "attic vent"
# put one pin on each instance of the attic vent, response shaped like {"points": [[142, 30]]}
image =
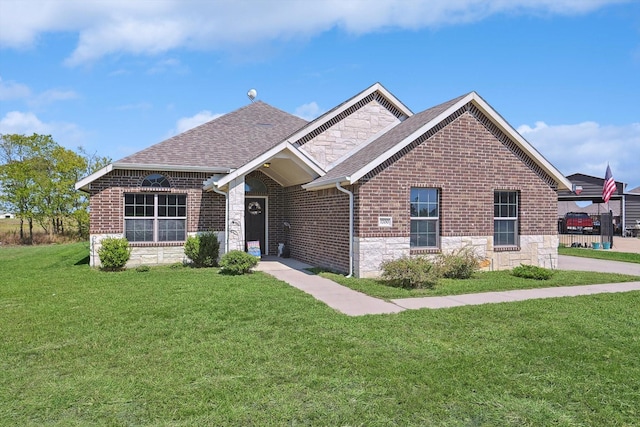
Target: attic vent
{"points": [[372, 97], [389, 106], [511, 145]]}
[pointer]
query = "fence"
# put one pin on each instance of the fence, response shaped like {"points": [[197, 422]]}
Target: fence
{"points": [[601, 238]]}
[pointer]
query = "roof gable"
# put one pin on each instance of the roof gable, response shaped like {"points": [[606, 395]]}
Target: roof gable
{"points": [[328, 119], [422, 125]]}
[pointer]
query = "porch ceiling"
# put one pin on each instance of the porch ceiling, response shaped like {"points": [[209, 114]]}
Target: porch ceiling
{"points": [[288, 170]]}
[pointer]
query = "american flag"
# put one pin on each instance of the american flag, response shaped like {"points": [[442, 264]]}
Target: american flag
{"points": [[609, 186]]}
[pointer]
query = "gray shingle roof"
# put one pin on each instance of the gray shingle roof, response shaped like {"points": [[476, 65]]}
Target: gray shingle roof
{"points": [[384, 143], [229, 141]]}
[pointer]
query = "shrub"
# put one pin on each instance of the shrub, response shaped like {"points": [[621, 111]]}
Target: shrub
{"points": [[532, 272], [203, 249], [460, 264], [143, 268], [114, 253], [237, 262], [414, 273]]}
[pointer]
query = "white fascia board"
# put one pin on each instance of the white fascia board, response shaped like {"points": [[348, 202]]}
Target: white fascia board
{"points": [[329, 184], [377, 87], [408, 140], [563, 182], [84, 183], [265, 157]]}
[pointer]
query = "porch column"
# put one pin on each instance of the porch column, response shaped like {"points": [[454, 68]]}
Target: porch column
{"points": [[236, 214]]}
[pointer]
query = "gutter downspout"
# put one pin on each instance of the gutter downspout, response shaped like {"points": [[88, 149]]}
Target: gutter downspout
{"points": [[344, 190], [226, 217]]}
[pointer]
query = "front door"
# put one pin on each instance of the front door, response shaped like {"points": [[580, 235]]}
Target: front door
{"points": [[255, 214]]}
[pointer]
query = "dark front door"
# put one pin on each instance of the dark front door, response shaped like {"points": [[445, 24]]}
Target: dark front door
{"points": [[255, 214]]}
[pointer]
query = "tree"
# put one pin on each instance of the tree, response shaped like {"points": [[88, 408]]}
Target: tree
{"points": [[19, 156], [37, 177]]}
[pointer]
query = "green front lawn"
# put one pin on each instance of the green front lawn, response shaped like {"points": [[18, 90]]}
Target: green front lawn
{"points": [[600, 254], [184, 347], [488, 281]]}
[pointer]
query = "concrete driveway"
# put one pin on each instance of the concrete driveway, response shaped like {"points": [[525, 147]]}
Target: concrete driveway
{"points": [[589, 264]]}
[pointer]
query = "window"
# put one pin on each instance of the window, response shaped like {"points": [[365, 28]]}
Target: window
{"points": [[254, 185], [155, 180], [155, 217], [505, 218], [424, 218]]}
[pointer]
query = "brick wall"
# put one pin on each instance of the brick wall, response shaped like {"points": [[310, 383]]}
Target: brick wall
{"points": [[319, 232], [205, 210], [467, 163], [467, 159]]}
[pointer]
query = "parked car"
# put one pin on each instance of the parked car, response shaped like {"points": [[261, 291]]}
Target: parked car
{"points": [[578, 222]]}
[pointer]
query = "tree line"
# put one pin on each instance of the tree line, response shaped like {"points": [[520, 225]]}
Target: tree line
{"points": [[37, 177]]}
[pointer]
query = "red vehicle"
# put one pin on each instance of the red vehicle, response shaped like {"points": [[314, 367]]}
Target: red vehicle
{"points": [[578, 222]]}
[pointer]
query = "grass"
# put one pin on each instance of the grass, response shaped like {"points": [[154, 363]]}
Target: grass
{"points": [[600, 254], [183, 347], [480, 282]]}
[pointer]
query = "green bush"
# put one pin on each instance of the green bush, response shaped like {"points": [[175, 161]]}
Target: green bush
{"points": [[203, 249], [237, 262], [532, 272], [460, 264], [114, 253], [414, 273], [143, 268]]}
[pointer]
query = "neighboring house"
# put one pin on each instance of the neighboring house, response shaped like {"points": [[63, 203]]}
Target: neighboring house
{"points": [[625, 205], [6, 215], [366, 182]]}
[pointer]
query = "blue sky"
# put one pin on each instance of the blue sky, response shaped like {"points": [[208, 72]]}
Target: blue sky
{"points": [[117, 76]]}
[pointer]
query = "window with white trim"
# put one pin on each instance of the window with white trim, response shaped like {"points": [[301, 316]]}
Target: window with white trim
{"points": [[505, 218], [425, 216], [155, 217]]}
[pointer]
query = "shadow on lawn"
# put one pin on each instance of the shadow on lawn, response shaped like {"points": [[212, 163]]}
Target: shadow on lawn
{"points": [[83, 261]]}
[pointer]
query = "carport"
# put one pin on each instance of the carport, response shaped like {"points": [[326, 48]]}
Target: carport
{"points": [[623, 208]]}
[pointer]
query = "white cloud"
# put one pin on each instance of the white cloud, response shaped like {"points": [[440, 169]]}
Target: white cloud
{"points": [[13, 90], [587, 148], [187, 123], [308, 111], [168, 65], [10, 90], [150, 27], [27, 123], [53, 95]]}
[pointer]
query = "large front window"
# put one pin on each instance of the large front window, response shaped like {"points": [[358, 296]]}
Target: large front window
{"points": [[155, 217], [424, 218], [505, 218]]}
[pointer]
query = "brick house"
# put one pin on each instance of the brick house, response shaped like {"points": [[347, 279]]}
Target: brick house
{"points": [[367, 181]]}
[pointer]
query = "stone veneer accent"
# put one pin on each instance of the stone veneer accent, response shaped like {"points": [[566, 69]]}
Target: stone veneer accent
{"points": [[151, 254], [533, 250], [236, 214], [343, 137]]}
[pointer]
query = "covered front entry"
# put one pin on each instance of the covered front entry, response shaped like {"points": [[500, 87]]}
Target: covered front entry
{"points": [[255, 221]]}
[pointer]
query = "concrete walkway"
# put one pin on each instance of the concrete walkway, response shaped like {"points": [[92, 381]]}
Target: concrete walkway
{"points": [[341, 298], [355, 303]]}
